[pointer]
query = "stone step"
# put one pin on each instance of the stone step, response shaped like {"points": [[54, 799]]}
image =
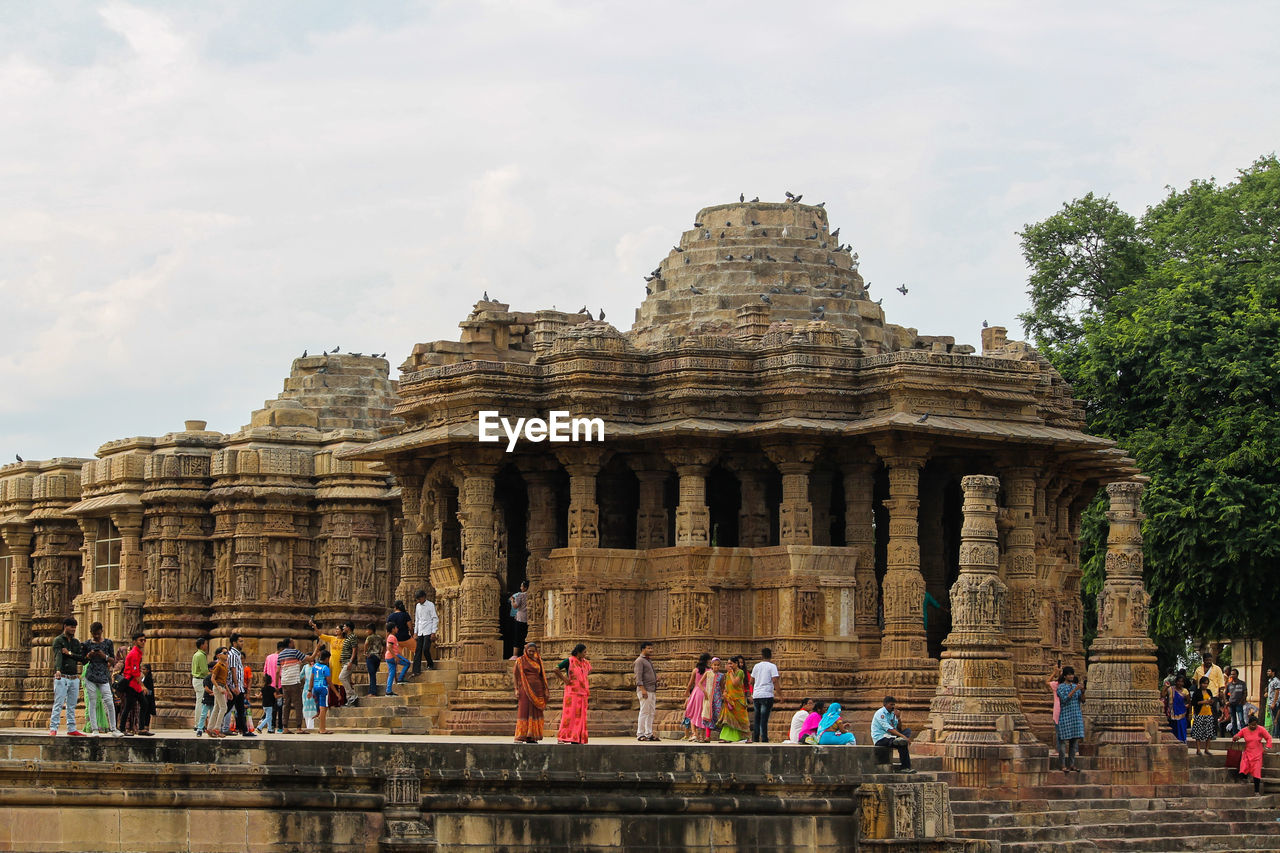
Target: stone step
{"points": [[1116, 812], [1233, 797], [1223, 841], [1125, 829]]}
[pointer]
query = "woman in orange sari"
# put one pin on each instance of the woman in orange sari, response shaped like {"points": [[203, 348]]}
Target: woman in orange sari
{"points": [[531, 695], [574, 671]]}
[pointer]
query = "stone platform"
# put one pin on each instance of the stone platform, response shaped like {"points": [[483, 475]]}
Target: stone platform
{"points": [[351, 792]]}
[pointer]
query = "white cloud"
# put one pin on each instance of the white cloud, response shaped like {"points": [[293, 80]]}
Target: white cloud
{"points": [[195, 194]]}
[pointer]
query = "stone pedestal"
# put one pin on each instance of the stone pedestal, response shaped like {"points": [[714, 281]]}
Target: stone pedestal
{"points": [[976, 702], [1122, 705]]}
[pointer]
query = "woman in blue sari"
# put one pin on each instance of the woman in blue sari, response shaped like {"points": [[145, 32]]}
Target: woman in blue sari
{"points": [[1178, 704], [831, 729]]}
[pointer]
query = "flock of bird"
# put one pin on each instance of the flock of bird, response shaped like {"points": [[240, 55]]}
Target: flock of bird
{"points": [[334, 351]]}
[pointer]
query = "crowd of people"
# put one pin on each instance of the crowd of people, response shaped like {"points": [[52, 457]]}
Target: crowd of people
{"points": [[727, 702], [295, 688]]}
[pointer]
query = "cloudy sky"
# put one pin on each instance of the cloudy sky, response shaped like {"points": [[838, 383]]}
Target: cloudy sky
{"points": [[193, 193]]}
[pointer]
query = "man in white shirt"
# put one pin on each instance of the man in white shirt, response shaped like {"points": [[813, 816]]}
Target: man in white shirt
{"points": [[766, 678], [885, 734], [1273, 699], [425, 625]]}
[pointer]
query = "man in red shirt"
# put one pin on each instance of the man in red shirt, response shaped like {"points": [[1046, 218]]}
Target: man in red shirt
{"points": [[134, 690]]}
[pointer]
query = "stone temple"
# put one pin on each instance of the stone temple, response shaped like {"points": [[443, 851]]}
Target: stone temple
{"points": [[782, 467]]}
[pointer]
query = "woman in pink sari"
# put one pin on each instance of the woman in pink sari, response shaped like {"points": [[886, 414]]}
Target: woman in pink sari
{"points": [[1254, 737], [574, 671], [697, 706]]}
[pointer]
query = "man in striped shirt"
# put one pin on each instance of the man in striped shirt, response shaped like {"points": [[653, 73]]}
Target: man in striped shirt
{"points": [[290, 662], [235, 683]]}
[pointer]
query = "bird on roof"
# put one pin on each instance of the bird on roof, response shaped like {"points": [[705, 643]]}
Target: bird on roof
{"points": [[304, 353], [824, 245], [820, 285], [755, 200], [728, 225], [748, 257], [721, 235], [820, 310], [649, 278], [821, 204], [686, 259], [742, 197], [797, 290], [831, 262], [984, 324], [922, 418], [839, 294], [775, 289], [835, 235], [812, 237], [769, 257], [358, 354], [797, 199], [754, 223], [648, 291], [582, 310], [728, 257], [697, 225], [880, 300], [589, 317], [335, 349], [902, 288], [486, 296], [19, 458], [694, 290], [764, 297], [789, 194], [677, 248], [602, 314], [786, 232], [795, 256]]}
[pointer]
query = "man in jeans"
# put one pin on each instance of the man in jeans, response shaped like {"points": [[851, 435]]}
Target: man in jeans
{"points": [[236, 685], [99, 655], [67, 657], [886, 735], [199, 672], [289, 662], [425, 625], [1237, 695], [646, 691], [766, 678]]}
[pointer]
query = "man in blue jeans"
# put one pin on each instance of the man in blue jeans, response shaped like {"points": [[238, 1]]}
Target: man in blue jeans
{"points": [[886, 735], [766, 679]]}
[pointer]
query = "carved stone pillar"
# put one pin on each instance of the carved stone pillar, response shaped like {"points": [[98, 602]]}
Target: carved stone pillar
{"points": [[753, 511], [820, 484], [860, 535], [541, 527], [1123, 706], [583, 465], [1020, 576], [795, 515], [651, 518], [903, 587], [479, 637], [976, 701], [17, 613], [415, 571], [693, 516]]}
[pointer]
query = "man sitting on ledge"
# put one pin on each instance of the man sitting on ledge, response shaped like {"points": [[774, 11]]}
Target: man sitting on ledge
{"points": [[885, 735]]}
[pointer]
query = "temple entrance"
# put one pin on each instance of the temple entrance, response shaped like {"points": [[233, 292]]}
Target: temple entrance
{"points": [[618, 496], [512, 554], [724, 503]]}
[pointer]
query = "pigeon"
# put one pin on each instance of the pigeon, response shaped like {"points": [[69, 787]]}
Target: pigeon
{"points": [[824, 245], [706, 234], [789, 194], [769, 257], [775, 289], [902, 288], [335, 349], [658, 273], [358, 354], [748, 257], [721, 235], [880, 300], [602, 315], [819, 311], [812, 237], [649, 278], [582, 310], [797, 199], [677, 248], [697, 225], [323, 370], [839, 294], [820, 286], [764, 297], [786, 232], [854, 255], [755, 200], [304, 353], [694, 290], [754, 223], [922, 418], [728, 257], [822, 204], [588, 313], [742, 197], [831, 262], [797, 290], [382, 355], [648, 291], [835, 235], [486, 296], [19, 458], [686, 259], [728, 225], [795, 256]]}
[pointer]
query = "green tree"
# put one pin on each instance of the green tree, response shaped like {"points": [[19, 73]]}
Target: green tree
{"points": [[1170, 332]]}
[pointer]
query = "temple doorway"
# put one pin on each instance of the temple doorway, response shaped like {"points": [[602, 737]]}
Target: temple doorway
{"points": [[724, 503], [512, 500]]}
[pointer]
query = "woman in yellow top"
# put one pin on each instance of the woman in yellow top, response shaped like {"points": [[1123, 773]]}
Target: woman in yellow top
{"points": [[1204, 727]]}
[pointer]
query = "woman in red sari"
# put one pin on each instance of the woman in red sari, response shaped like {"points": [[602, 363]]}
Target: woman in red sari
{"points": [[531, 695], [574, 671]]}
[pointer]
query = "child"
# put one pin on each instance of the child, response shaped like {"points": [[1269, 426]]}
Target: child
{"points": [[320, 689], [308, 697], [393, 656], [206, 704], [268, 704]]}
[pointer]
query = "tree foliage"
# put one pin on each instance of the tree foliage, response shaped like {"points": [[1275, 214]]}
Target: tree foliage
{"points": [[1169, 329]]}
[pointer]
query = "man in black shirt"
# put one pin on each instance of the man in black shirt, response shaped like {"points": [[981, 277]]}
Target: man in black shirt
{"points": [[99, 655], [68, 654]]}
